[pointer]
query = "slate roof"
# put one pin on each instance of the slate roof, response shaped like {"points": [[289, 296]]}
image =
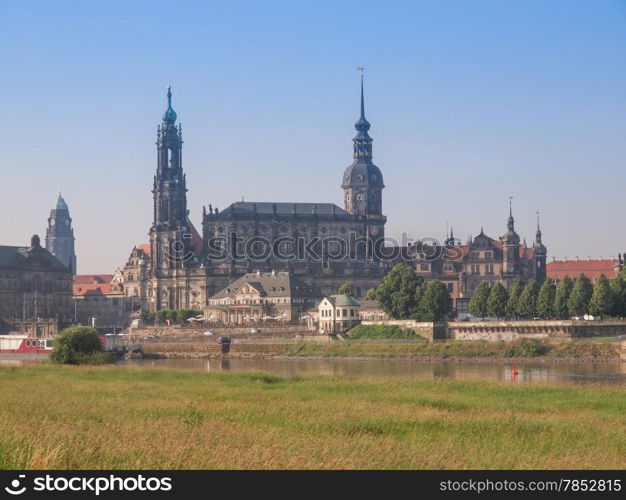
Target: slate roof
{"points": [[25, 258], [279, 284], [267, 208]]}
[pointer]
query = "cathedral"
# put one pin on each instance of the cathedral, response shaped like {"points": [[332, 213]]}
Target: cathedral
{"points": [[322, 243]]}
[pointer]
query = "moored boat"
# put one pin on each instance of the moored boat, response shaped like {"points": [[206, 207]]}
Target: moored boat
{"points": [[23, 344]]}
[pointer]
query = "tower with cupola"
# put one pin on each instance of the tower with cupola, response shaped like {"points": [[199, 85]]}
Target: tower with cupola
{"points": [[60, 234]]}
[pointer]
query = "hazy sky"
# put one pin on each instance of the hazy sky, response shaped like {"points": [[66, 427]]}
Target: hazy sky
{"points": [[470, 102]]}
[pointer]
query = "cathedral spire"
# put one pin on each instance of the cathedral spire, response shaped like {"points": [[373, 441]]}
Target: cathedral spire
{"points": [[510, 222], [362, 142], [169, 117]]}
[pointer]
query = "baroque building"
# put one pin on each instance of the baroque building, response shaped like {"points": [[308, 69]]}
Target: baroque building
{"points": [[34, 286], [462, 267], [60, 235], [321, 243]]}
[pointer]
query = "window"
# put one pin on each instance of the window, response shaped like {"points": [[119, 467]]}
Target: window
{"points": [[489, 269], [450, 287], [488, 255], [475, 269], [424, 267]]}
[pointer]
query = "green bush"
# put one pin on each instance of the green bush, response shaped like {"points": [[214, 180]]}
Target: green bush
{"points": [[382, 332], [79, 345]]}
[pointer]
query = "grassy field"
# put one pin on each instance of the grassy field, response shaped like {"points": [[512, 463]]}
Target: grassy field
{"points": [[113, 417], [462, 349]]}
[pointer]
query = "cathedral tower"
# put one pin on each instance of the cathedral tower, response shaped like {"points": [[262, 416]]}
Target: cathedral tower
{"points": [[60, 235], [363, 181], [170, 238]]}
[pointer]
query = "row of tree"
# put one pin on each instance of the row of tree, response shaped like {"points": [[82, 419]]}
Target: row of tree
{"points": [[404, 295], [162, 316], [573, 297]]}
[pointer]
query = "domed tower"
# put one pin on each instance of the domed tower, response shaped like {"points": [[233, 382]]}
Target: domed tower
{"points": [[363, 181], [170, 237], [540, 256], [60, 235], [510, 249]]}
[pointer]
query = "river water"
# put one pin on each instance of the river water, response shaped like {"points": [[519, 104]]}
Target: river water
{"points": [[527, 372]]}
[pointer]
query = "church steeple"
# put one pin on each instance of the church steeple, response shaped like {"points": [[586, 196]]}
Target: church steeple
{"points": [[362, 142], [170, 199], [538, 233], [362, 180]]}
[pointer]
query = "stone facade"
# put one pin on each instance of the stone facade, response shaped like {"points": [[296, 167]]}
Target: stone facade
{"points": [[462, 267], [34, 285], [258, 297], [321, 243], [338, 314], [60, 235]]}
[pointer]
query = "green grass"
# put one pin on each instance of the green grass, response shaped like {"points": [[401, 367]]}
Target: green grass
{"points": [[460, 349], [113, 417], [382, 332]]}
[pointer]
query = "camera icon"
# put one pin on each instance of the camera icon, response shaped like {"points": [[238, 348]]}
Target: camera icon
{"points": [[15, 489]]}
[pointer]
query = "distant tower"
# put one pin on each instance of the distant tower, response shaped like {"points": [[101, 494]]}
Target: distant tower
{"points": [[540, 256], [363, 181], [510, 247], [60, 235]]}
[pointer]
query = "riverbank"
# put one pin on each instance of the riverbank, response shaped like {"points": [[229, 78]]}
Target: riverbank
{"points": [[109, 417], [475, 351]]}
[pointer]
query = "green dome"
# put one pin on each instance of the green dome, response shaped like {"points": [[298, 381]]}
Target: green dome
{"points": [[170, 114], [61, 205]]}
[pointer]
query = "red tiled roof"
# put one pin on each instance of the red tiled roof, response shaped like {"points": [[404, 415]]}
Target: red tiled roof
{"points": [[92, 289], [90, 279], [145, 248], [558, 269]]}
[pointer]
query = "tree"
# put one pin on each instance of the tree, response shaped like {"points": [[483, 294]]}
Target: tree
{"points": [[346, 289], [498, 297], [78, 345], [545, 301], [516, 289], [527, 304], [371, 294], [578, 303], [561, 300], [618, 289], [400, 292], [182, 315], [435, 303], [160, 316], [478, 302], [601, 302]]}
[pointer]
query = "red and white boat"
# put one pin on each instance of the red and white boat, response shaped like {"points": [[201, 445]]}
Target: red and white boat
{"points": [[23, 344]]}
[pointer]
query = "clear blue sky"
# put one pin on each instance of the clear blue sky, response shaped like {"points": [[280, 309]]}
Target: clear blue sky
{"points": [[470, 102]]}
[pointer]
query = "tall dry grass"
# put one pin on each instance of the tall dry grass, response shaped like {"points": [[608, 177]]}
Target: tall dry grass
{"points": [[113, 417]]}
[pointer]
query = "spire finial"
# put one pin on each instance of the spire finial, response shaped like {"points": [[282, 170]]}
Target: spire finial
{"points": [[169, 115], [362, 125], [538, 221], [362, 70], [510, 206]]}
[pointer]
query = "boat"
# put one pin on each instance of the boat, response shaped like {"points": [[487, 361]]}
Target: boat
{"points": [[23, 344]]}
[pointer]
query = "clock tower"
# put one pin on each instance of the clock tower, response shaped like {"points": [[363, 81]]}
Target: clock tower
{"points": [[60, 235]]}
